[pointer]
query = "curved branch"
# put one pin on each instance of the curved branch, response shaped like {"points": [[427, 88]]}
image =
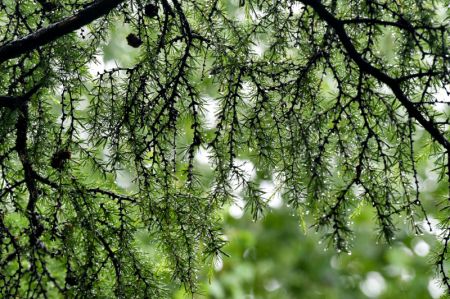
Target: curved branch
{"points": [[56, 30], [30, 181], [367, 68], [15, 102]]}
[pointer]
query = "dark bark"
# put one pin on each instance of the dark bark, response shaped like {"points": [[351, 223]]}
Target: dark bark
{"points": [[369, 69], [30, 181], [11, 102], [56, 30], [15, 102]]}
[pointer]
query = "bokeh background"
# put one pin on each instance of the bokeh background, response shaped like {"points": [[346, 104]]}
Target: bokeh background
{"points": [[281, 255]]}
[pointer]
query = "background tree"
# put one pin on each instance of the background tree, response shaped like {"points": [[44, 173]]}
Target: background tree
{"points": [[326, 98], [301, 265]]}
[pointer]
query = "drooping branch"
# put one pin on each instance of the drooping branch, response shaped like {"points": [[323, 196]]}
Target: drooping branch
{"points": [[56, 30], [30, 181], [369, 69]]}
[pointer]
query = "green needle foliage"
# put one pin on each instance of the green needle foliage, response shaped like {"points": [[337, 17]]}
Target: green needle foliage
{"points": [[328, 98]]}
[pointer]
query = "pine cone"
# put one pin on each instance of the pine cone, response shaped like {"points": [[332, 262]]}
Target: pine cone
{"points": [[151, 10], [133, 40], [59, 158]]}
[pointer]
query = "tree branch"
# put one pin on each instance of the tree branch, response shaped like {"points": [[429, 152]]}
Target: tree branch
{"points": [[14, 102], [56, 30], [22, 151], [367, 68], [11, 102]]}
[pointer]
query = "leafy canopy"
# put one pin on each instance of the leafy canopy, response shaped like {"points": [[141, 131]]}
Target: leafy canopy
{"points": [[326, 98]]}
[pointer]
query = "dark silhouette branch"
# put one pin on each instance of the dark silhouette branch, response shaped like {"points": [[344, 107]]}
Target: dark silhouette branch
{"points": [[420, 75], [15, 102], [401, 24], [56, 30], [369, 69], [30, 181], [11, 102], [107, 193]]}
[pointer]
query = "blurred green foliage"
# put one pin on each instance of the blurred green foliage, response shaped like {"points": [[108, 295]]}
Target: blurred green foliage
{"points": [[275, 258], [140, 117]]}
